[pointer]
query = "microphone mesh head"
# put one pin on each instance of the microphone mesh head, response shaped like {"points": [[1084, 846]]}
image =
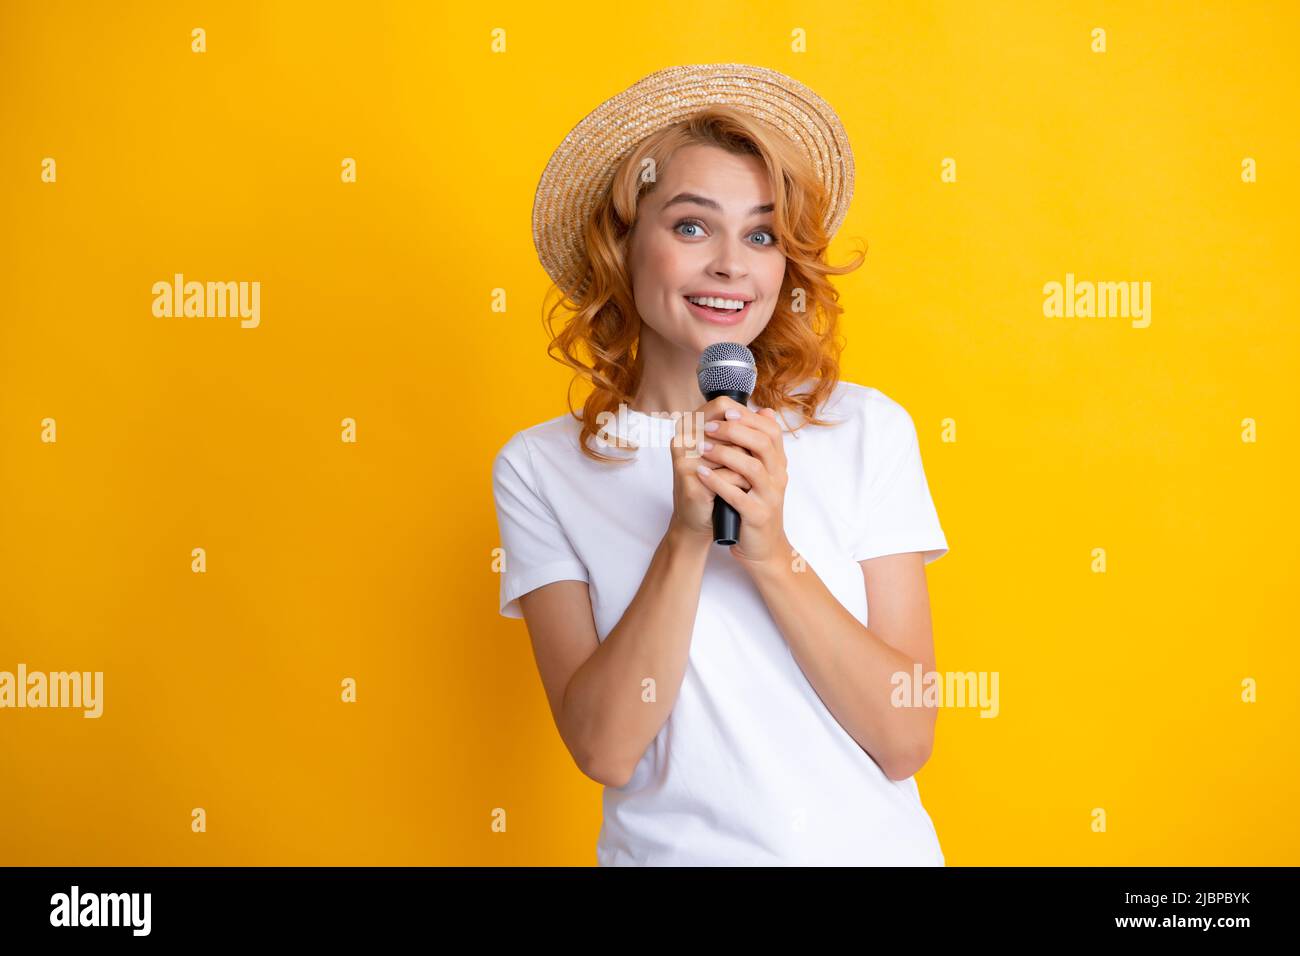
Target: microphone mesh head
{"points": [[726, 367]]}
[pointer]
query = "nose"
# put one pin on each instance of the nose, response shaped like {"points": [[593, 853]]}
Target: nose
{"points": [[729, 258]]}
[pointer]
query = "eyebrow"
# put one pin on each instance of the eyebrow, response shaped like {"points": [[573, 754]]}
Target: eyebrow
{"points": [[712, 204]]}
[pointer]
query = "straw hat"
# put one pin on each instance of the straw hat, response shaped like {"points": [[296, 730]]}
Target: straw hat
{"points": [[583, 164]]}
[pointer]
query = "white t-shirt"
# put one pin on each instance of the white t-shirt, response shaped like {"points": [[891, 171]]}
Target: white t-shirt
{"points": [[750, 768]]}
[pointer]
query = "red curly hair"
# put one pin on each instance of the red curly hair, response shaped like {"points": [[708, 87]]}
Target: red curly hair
{"points": [[800, 341]]}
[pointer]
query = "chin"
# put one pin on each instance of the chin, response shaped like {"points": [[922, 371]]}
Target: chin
{"points": [[702, 338]]}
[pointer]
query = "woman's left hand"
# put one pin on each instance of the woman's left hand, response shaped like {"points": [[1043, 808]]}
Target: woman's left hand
{"points": [[750, 444]]}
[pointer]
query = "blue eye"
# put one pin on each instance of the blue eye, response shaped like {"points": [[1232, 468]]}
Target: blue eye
{"points": [[696, 224]]}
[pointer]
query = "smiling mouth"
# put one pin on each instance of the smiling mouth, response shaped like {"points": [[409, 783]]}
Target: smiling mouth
{"points": [[723, 316]]}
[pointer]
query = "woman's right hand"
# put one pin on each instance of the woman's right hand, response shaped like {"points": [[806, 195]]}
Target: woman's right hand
{"points": [[692, 500]]}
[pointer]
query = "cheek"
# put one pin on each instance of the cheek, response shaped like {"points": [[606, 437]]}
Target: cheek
{"points": [[657, 276], [664, 270], [774, 276], [668, 262]]}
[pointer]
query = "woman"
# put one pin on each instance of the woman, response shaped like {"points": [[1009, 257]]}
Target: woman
{"points": [[732, 699]]}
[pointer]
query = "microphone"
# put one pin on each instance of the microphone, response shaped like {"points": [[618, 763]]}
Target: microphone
{"points": [[726, 368]]}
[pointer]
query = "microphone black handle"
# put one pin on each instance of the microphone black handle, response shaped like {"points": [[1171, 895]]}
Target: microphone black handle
{"points": [[726, 520]]}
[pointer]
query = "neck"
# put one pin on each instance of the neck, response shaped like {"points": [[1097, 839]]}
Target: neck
{"points": [[669, 379]]}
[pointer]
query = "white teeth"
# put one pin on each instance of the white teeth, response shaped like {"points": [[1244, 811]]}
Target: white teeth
{"points": [[717, 303]]}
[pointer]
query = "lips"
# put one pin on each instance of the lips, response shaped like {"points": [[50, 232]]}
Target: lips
{"points": [[717, 318]]}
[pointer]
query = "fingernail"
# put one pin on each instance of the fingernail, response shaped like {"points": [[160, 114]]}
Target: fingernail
{"points": [[705, 445], [711, 427], [733, 414], [704, 469]]}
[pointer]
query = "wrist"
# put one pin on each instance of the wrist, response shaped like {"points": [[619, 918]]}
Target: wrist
{"points": [[679, 537], [773, 566]]}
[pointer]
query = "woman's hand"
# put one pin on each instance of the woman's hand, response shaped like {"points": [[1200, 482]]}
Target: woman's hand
{"points": [[749, 444], [692, 497]]}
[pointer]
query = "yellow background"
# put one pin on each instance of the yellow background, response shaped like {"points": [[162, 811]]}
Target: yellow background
{"points": [[373, 560]]}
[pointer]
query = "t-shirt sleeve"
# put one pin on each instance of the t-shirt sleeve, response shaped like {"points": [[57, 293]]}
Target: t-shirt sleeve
{"points": [[898, 513], [536, 550]]}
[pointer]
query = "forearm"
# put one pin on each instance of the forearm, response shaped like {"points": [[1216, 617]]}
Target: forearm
{"points": [[607, 703], [850, 668]]}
